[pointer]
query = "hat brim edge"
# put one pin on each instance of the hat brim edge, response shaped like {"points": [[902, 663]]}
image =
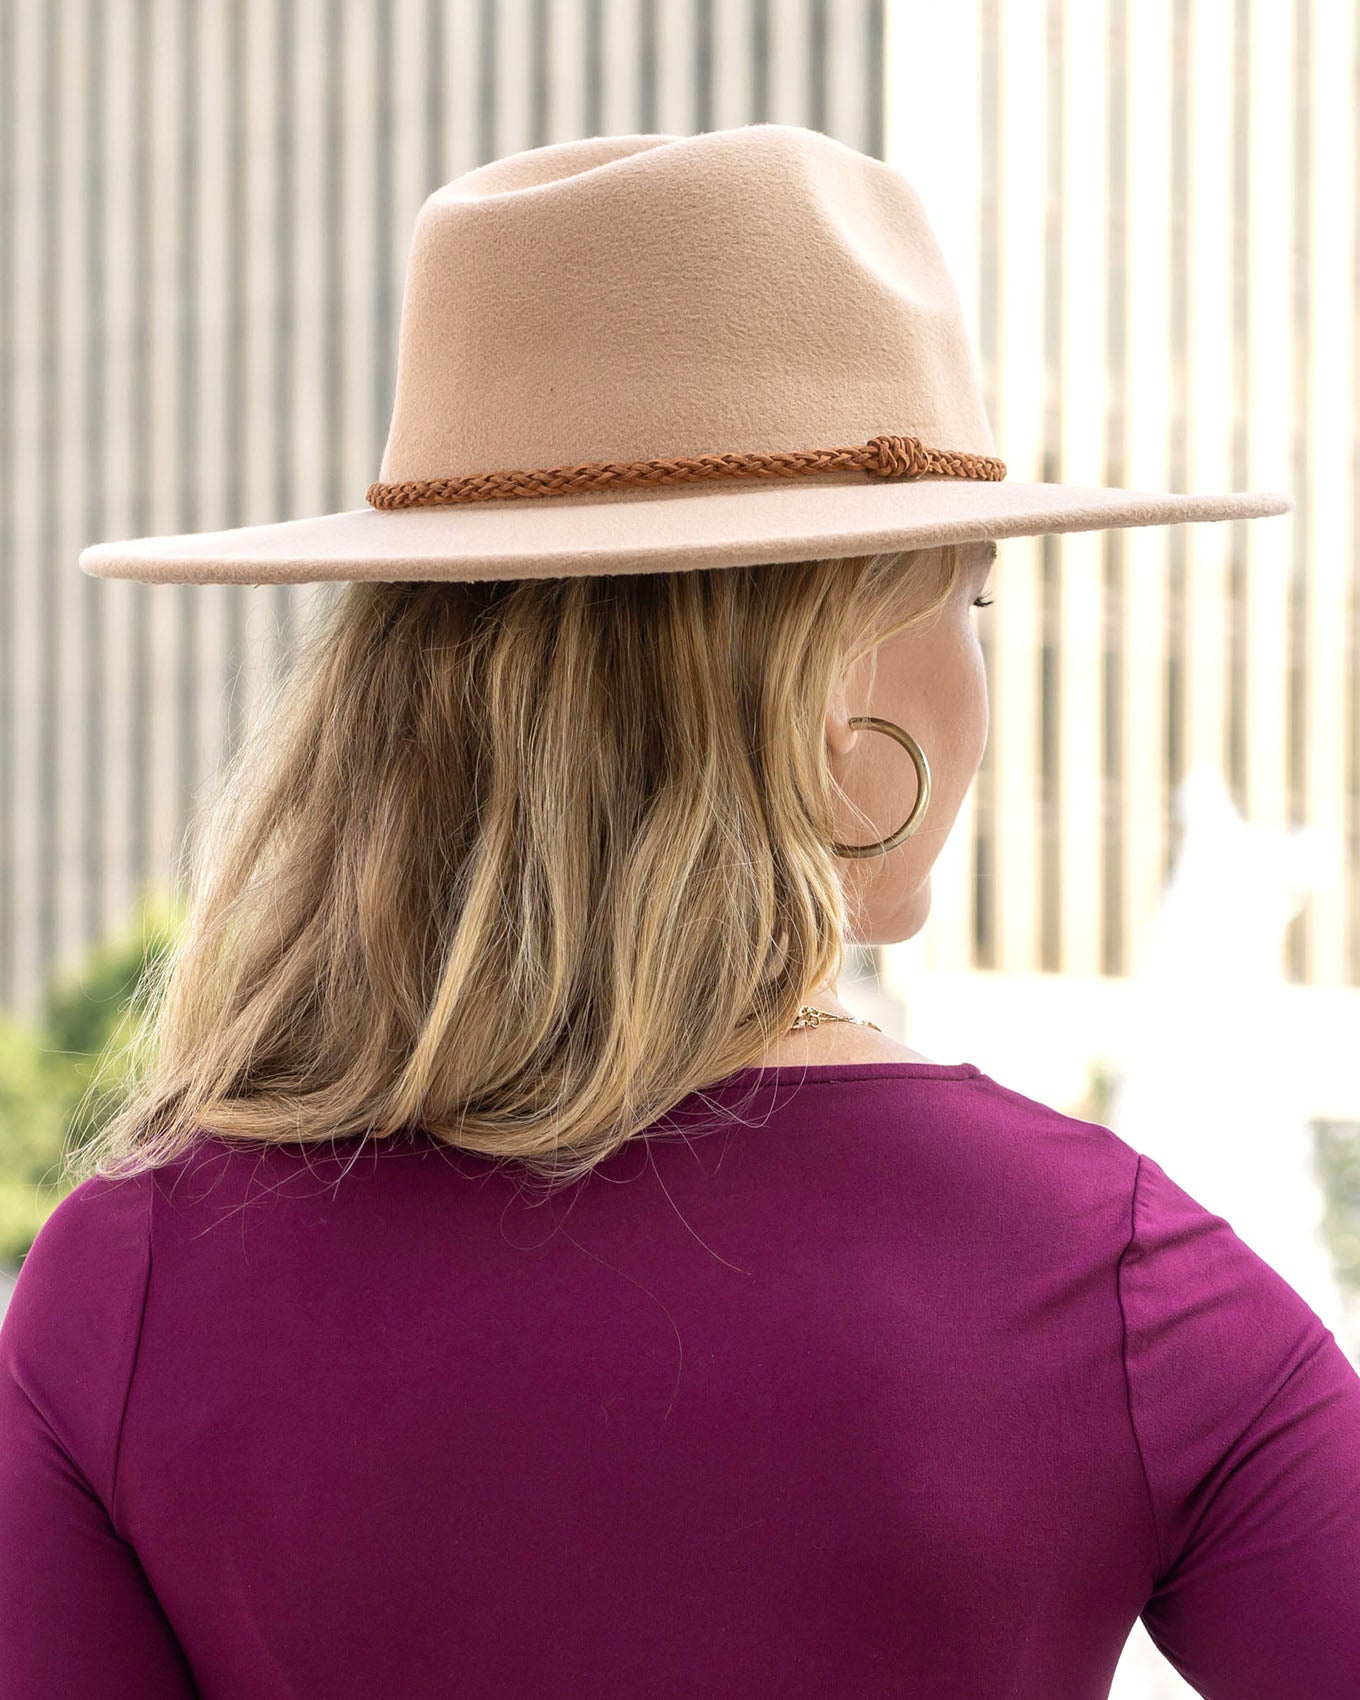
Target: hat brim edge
{"points": [[655, 530]]}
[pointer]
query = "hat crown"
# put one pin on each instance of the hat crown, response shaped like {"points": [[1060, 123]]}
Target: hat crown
{"points": [[635, 297]]}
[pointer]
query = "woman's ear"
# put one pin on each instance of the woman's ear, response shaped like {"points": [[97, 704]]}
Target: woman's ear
{"points": [[841, 736]]}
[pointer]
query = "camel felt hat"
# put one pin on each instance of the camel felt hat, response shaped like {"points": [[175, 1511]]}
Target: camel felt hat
{"points": [[654, 352]]}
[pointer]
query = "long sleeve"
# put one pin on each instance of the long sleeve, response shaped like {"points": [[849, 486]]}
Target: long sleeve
{"points": [[1247, 1417], [78, 1618]]}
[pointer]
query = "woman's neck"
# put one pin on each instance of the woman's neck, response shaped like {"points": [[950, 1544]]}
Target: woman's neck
{"points": [[834, 1041]]}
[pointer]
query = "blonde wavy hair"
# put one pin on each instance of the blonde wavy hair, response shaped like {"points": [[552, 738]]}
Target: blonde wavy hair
{"points": [[520, 863]]}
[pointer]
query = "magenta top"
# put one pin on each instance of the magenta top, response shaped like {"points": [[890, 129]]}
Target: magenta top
{"points": [[900, 1384]]}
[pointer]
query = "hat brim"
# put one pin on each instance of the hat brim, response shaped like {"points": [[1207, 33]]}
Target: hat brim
{"points": [[657, 529]]}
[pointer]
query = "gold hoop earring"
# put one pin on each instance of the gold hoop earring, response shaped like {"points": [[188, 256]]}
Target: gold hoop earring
{"points": [[913, 820]]}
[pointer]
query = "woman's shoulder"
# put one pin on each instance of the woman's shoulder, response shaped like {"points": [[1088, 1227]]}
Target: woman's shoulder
{"points": [[69, 1335]]}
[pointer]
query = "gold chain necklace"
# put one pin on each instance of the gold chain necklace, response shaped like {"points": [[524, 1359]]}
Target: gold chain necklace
{"points": [[810, 1016]]}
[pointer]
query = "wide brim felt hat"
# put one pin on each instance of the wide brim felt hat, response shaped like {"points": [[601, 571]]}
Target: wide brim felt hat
{"points": [[653, 352]]}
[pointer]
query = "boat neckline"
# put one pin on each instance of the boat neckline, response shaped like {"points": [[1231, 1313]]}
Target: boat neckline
{"points": [[830, 1073]]}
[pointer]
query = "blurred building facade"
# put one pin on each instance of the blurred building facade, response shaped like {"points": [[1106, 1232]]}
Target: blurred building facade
{"points": [[1151, 210], [1151, 213]]}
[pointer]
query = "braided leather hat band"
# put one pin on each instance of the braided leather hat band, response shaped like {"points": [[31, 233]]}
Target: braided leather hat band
{"points": [[884, 457]]}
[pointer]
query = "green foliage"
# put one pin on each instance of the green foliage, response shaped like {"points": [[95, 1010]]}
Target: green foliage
{"points": [[1337, 1148], [64, 1074]]}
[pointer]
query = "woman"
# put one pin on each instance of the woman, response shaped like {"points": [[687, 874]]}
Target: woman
{"points": [[874, 1377]]}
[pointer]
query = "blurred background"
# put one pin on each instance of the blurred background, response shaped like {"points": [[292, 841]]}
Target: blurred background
{"points": [[1148, 913]]}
